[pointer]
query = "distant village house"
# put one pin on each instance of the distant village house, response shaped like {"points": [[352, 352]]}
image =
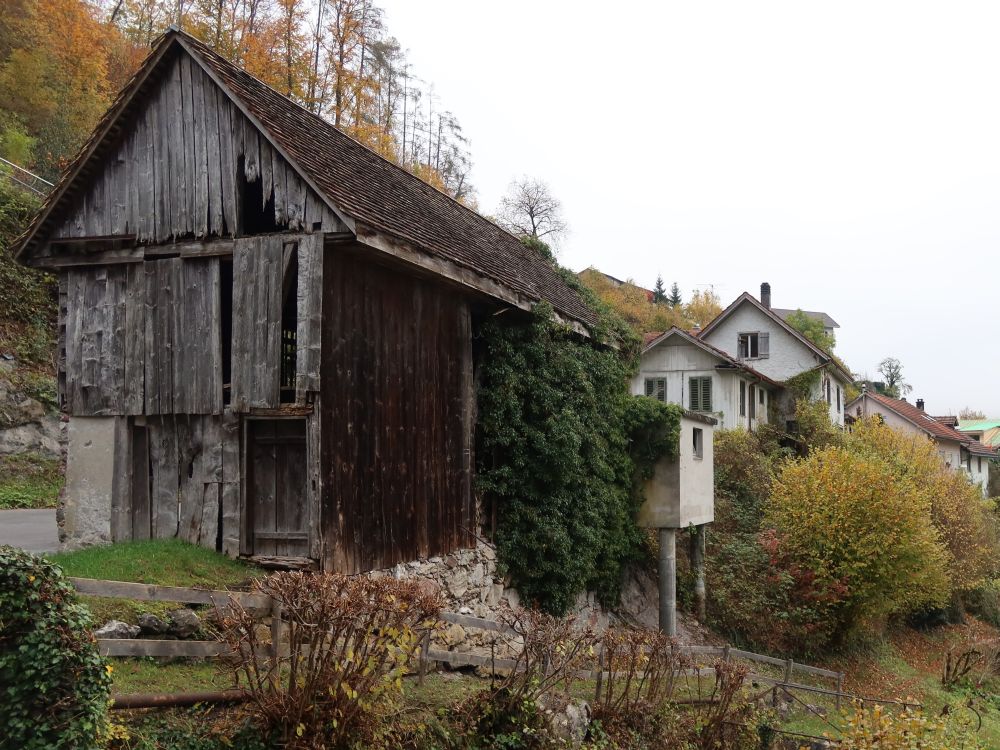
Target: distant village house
{"points": [[738, 367]]}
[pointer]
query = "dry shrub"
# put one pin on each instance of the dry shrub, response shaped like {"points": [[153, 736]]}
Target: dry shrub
{"points": [[977, 659], [550, 651], [640, 704], [349, 640]]}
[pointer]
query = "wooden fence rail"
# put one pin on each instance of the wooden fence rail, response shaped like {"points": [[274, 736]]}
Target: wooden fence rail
{"points": [[264, 606]]}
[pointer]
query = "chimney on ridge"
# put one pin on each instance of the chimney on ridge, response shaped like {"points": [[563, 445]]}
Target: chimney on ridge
{"points": [[765, 295], [920, 404]]}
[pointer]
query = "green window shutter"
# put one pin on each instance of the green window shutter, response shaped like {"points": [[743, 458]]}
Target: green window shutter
{"points": [[649, 386], [743, 398], [763, 345], [694, 400], [661, 389], [706, 394]]}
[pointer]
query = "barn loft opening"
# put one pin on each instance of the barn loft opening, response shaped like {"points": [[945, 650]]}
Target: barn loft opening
{"points": [[255, 215], [289, 323]]}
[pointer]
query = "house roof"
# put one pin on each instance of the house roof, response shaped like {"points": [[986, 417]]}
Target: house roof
{"points": [[652, 340], [747, 298], [928, 424], [368, 191], [821, 316], [976, 425]]}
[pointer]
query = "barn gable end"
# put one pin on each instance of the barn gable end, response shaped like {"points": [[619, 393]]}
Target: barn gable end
{"points": [[205, 169]]}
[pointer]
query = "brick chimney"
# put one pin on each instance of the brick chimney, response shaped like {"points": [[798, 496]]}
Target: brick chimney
{"points": [[920, 404], [765, 295]]}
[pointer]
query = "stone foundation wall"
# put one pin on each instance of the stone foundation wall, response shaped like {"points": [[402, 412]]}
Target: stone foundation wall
{"points": [[470, 584]]}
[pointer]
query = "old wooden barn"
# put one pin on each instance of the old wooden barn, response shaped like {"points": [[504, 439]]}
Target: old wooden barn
{"points": [[266, 329]]}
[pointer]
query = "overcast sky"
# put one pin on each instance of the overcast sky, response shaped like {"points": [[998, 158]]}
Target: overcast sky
{"points": [[848, 153]]}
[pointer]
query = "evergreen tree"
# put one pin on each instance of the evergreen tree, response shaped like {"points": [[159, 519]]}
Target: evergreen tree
{"points": [[659, 291], [675, 295]]}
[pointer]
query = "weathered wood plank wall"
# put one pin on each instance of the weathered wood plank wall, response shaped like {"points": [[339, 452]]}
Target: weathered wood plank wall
{"points": [[258, 272], [177, 171], [395, 395], [183, 363], [191, 462]]}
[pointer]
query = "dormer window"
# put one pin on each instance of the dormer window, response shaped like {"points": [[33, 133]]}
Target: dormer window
{"points": [[753, 345]]}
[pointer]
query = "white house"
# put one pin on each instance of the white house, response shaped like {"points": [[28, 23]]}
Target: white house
{"points": [[755, 334], [680, 368], [739, 366], [956, 449]]}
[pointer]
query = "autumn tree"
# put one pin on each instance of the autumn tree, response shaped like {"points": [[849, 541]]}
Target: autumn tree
{"points": [[53, 79], [529, 209], [891, 370], [862, 535], [964, 522], [703, 308]]}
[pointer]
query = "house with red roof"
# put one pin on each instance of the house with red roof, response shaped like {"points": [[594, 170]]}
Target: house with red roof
{"points": [[958, 450]]}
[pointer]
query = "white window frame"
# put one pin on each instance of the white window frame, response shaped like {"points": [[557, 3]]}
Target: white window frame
{"points": [[753, 345]]}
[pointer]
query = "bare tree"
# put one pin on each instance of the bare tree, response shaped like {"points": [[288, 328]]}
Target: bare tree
{"points": [[892, 370], [530, 210]]}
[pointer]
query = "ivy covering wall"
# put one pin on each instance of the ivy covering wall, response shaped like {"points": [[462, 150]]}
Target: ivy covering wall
{"points": [[562, 447]]}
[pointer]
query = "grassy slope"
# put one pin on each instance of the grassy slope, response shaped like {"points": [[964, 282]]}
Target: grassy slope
{"points": [[29, 481], [907, 665], [168, 562]]}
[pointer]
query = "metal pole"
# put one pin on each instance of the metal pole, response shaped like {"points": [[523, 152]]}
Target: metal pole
{"points": [[668, 581], [698, 568]]}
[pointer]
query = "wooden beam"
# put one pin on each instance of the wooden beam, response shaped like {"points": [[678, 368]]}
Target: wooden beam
{"points": [[153, 593], [453, 272]]}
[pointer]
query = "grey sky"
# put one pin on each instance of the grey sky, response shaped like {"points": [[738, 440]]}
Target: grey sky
{"points": [[848, 153]]}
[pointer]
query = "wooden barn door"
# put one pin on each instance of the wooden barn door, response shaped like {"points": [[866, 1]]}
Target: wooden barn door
{"points": [[278, 517]]}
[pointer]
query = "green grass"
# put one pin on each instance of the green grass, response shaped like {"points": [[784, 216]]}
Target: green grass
{"points": [[148, 676], [167, 562], [28, 480]]}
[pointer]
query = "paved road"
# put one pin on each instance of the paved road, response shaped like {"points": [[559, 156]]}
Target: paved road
{"points": [[33, 530]]}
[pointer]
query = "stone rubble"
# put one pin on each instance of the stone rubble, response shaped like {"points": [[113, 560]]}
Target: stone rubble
{"points": [[117, 629]]}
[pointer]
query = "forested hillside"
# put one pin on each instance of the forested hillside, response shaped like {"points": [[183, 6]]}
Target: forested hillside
{"points": [[63, 61]]}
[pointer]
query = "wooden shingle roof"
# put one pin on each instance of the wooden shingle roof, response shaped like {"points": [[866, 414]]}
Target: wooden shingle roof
{"points": [[371, 193]]}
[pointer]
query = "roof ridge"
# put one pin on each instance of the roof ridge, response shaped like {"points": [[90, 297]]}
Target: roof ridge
{"points": [[187, 36]]}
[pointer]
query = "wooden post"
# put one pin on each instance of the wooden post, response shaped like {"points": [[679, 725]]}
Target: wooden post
{"points": [[277, 628], [789, 665], [725, 653], [424, 648], [668, 581], [840, 687], [697, 554], [600, 675]]}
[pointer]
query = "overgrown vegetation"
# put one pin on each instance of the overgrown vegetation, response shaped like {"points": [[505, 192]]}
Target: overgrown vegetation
{"points": [[29, 480], [839, 537], [27, 296], [55, 686], [561, 444]]}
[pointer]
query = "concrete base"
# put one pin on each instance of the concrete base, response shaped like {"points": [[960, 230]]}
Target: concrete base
{"points": [[86, 498]]}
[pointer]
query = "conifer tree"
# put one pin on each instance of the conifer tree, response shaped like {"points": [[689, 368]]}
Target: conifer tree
{"points": [[675, 295], [659, 291]]}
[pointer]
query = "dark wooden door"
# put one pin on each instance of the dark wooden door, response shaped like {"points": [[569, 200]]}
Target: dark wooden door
{"points": [[276, 487]]}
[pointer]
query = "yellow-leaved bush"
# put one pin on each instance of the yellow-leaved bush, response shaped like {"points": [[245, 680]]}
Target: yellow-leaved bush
{"points": [[878, 728], [965, 522], [861, 535]]}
